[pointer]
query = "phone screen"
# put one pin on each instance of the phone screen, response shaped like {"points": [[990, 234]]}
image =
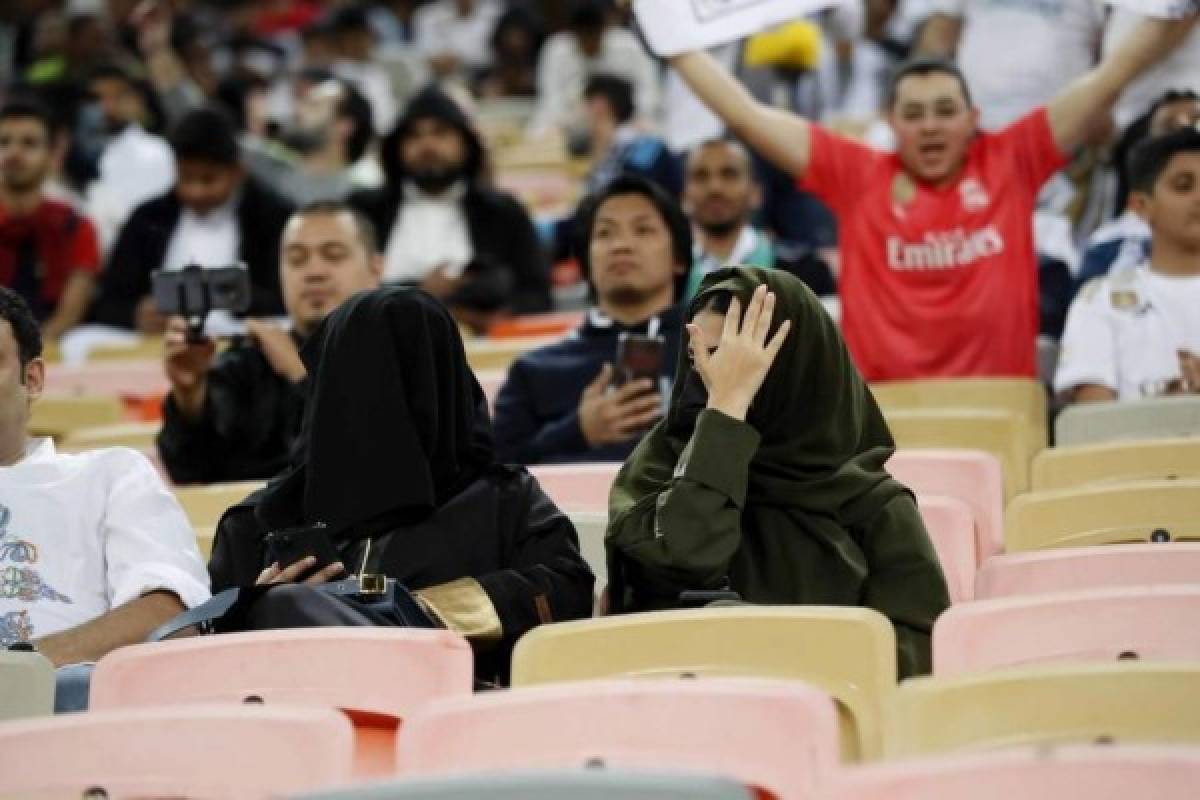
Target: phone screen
{"points": [[638, 357]]}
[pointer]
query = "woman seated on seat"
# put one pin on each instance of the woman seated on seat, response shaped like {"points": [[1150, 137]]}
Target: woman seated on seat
{"points": [[767, 475], [396, 450]]}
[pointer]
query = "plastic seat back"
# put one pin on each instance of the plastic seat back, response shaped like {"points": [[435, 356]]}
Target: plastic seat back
{"points": [[26, 685], [591, 526], [1129, 701], [1116, 772], [1115, 462], [197, 751], [58, 416], [973, 476], [378, 675], [1077, 568], [951, 528], [778, 736], [1111, 514], [848, 652], [1144, 622], [1149, 418], [577, 487], [204, 505]]}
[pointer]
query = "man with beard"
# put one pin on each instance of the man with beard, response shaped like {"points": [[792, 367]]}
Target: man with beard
{"points": [[720, 194], [326, 140], [134, 165], [445, 230], [560, 402], [48, 251]]}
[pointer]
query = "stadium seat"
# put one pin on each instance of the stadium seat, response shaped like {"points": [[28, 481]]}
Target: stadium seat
{"points": [[1076, 568], [951, 528], [490, 381], [1116, 772], [591, 525], [1129, 701], [777, 736], [147, 348], [135, 435], [1144, 622], [485, 354], [58, 416], [1001, 433], [1149, 418], [205, 535], [578, 784], [377, 675], [1108, 462], [577, 487], [848, 652], [204, 505], [1023, 396], [198, 751], [26, 685], [1109, 514], [973, 476], [118, 378]]}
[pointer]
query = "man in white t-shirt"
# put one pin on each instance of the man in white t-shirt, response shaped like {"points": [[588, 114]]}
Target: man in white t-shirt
{"points": [[1136, 333], [95, 552]]}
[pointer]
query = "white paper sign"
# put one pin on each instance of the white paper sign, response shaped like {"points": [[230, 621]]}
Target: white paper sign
{"points": [[1164, 9], [677, 26]]}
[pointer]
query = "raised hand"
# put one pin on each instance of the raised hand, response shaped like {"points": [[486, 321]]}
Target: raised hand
{"points": [[609, 416]]}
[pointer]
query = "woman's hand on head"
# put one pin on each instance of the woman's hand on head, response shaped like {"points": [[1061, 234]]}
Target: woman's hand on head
{"points": [[292, 573], [735, 371]]}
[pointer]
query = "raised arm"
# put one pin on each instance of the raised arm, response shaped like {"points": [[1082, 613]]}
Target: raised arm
{"points": [[1085, 104], [777, 135]]}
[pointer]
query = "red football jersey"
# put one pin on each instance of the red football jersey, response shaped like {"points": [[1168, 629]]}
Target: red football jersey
{"points": [[938, 282]]}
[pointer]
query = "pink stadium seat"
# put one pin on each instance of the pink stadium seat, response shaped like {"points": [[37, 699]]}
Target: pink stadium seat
{"points": [[183, 751], [1151, 622], [779, 737], [490, 380], [577, 487], [1114, 772], [120, 378], [378, 676], [951, 527], [1073, 568], [972, 476]]}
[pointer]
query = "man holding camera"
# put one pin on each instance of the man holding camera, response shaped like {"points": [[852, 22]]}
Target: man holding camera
{"points": [[569, 401], [234, 416]]}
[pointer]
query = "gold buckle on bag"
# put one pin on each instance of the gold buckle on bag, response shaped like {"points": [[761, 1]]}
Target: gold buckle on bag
{"points": [[372, 583]]}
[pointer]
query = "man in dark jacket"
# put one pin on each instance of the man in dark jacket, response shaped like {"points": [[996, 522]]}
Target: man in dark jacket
{"points": [[214, 217], [443, 228], [559, 403], [235, 418]]}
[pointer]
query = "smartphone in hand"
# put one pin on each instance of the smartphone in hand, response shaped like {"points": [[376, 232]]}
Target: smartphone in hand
{"points": [[638, 357], [289, 545]]}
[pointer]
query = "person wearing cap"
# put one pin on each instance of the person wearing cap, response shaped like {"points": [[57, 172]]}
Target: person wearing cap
{"points": [[443, 228]]}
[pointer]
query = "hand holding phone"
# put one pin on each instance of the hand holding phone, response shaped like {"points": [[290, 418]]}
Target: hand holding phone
{"points": [[289, 548]]}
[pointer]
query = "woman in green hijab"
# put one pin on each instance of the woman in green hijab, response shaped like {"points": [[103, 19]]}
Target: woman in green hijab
{"points": [[767, 475]]}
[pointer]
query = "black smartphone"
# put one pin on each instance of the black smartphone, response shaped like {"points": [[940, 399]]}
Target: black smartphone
{"points": [[638, 356], [287, 546], [194, 291]]}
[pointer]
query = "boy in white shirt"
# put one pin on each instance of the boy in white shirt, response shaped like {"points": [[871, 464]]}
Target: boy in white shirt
{"points": [[95, 552], [1137, 333]]}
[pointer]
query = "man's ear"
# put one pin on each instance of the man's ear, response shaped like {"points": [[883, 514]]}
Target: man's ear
{"points": [[756, 195], [35, 378], [375, 266], [1142, 204]]}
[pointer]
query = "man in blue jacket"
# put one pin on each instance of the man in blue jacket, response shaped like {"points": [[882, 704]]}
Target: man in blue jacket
{"points": [[559, 403]]}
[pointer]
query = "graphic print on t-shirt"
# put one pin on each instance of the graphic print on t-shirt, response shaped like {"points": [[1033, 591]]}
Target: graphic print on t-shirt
{"points": [[20, 581]]}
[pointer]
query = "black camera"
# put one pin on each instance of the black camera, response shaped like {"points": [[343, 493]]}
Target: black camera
{"points": [[193, 292]]}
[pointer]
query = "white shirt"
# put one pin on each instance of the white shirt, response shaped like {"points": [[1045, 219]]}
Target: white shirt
{"points": [[563, 72], [1018, 54], [439, 29], [428, 231], [206, 240], [82, 534], [1179, 70], [1124, 331], [136, 166]]}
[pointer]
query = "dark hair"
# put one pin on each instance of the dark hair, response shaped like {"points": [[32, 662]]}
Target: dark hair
{"points": [[30, 108], [522, 19], [354, 107], [363, 227], [15, 310], [588, 16], [616, 90], [925, 65], [114, 72], [1150, 158], [205, 134], [726, 141], [1136, 133], [672, 215]]}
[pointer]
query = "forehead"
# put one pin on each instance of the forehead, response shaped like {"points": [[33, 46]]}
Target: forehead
{"points": [[428, 125], [319, 228], [1182, 162], [194, 168], [719, 155], [926, 87], [626, 207], [23, 127]]}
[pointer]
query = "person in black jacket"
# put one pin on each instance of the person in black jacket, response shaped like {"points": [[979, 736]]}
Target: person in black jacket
{"points": [[214, 217], [558, 403], [237, 417], [443, 229], [396, 462]]}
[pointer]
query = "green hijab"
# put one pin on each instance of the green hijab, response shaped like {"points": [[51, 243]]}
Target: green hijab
{"points": [[818, 472]]}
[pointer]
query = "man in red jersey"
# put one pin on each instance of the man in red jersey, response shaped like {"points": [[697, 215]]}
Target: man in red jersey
{"points": [[938, 272]]}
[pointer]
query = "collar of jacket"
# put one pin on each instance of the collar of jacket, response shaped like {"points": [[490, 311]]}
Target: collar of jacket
{"points": [[599, 324]]}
